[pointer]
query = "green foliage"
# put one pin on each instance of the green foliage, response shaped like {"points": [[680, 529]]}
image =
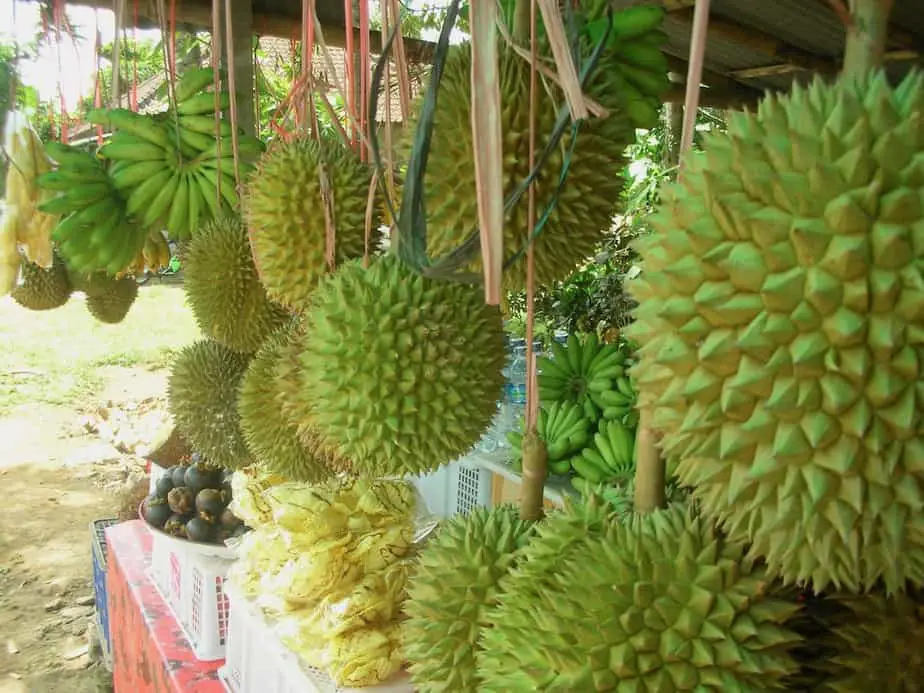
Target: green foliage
{"points": [[593, 298]]}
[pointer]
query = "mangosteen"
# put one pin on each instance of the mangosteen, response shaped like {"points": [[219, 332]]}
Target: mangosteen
{"points": [[198, 529], [209, 504], [229, 520], [156, 511], [202, 476], [179, 475], [195, 458], [176, 526], [181, 500], [164, 485]]}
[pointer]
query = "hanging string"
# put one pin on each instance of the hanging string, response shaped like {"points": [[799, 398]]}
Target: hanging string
{"points": [[57, 12], [404, 87], [366, 119], [255, 67], [134, 96], [97, 86], [216, 83], [650, 473], [171, 27], [694, 77], [232, 90], [350, 96], [311, 114], [370, 209], [532, 383], [387, 90], [115, 89], [170, 73]]}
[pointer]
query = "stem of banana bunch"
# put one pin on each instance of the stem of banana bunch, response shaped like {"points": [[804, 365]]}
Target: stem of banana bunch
{"points": [[535, 452], [866, 35]]}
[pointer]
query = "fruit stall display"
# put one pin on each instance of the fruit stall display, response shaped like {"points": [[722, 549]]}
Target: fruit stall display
{"points": [[775, 545]]}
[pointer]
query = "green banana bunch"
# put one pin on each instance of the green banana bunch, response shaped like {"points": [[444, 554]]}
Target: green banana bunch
{"points": [[565, 431], [176, 169], [95, 233], [635, 63], [611, 457], [575, 371]]}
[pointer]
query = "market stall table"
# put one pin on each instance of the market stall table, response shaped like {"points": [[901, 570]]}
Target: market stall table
{"points": [[150, 653]]}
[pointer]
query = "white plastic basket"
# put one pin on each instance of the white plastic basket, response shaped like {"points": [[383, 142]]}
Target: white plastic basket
{"points": [[193, 585], [257, 662], [458, 487]]}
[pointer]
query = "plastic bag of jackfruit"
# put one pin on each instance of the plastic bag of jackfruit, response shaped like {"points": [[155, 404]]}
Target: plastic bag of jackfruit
{"points": [[331, 568]]}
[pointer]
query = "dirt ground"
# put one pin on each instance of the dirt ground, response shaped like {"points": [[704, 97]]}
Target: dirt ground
{"points": [[80, 403], [57, 477]]}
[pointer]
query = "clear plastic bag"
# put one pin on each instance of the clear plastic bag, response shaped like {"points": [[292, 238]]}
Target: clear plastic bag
{"points": [[332, 569]]}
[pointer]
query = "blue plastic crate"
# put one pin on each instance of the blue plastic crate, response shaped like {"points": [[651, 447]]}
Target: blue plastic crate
{"points": [[98, 544]]}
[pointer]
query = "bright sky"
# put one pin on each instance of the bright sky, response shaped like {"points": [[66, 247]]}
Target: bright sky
{"points": [[20, 22]]}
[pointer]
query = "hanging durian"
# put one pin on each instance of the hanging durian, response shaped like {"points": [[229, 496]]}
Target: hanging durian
{"points": [[658, 602], [271, 439], [284, 210], [108, 299], [399, 373], [455, 585], [627, 78], [780, 327], [877, 645], [43, 289], [202, 394], [223, 289]]}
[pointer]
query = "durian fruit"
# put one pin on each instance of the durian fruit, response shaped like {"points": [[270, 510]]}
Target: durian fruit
{"points": [[271, 439], [43, 289], [223, 289], [780, 325], [108, 299], [587, 202], [877, 645], [202, 394], [449, 595], [658, 602], [399, 373], [284, 212]]}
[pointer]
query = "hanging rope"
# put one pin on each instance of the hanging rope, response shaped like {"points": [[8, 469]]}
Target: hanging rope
{"points": [[404, 86], [366, 119], [57, 15], [98, 86], [650, 473], [134, 97], [349, 53], [232, 90], [216, 85], [532, 383]]}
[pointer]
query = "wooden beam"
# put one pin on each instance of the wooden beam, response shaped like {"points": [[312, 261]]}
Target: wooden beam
{"points": [[736, 99], [717, 81], [199, 14], [834, 67], [240, 55]]}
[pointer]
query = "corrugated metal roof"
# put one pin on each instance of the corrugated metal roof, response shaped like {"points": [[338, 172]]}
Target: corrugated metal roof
{"points": [[807, 29]]}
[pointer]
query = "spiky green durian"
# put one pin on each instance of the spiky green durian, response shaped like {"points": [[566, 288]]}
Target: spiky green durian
{"points": [[657, 602], [285, 214], [781, 320], [109, 299], [202, 392], [223, 289], [272, 440], [451, 592], [399, 373], [877, 645], [587, 201], [43, 289]]}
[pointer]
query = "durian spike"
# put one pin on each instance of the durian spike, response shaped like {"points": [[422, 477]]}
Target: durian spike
{"points": [[535, 471], [866, 35]]}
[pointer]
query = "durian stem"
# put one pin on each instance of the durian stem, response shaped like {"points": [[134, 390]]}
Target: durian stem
{"points": [[535, 471], [649, 469], [866, 35], [521, 14]]}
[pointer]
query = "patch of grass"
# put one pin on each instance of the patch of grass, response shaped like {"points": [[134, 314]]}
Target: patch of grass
{"points": [[52, 357]]}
